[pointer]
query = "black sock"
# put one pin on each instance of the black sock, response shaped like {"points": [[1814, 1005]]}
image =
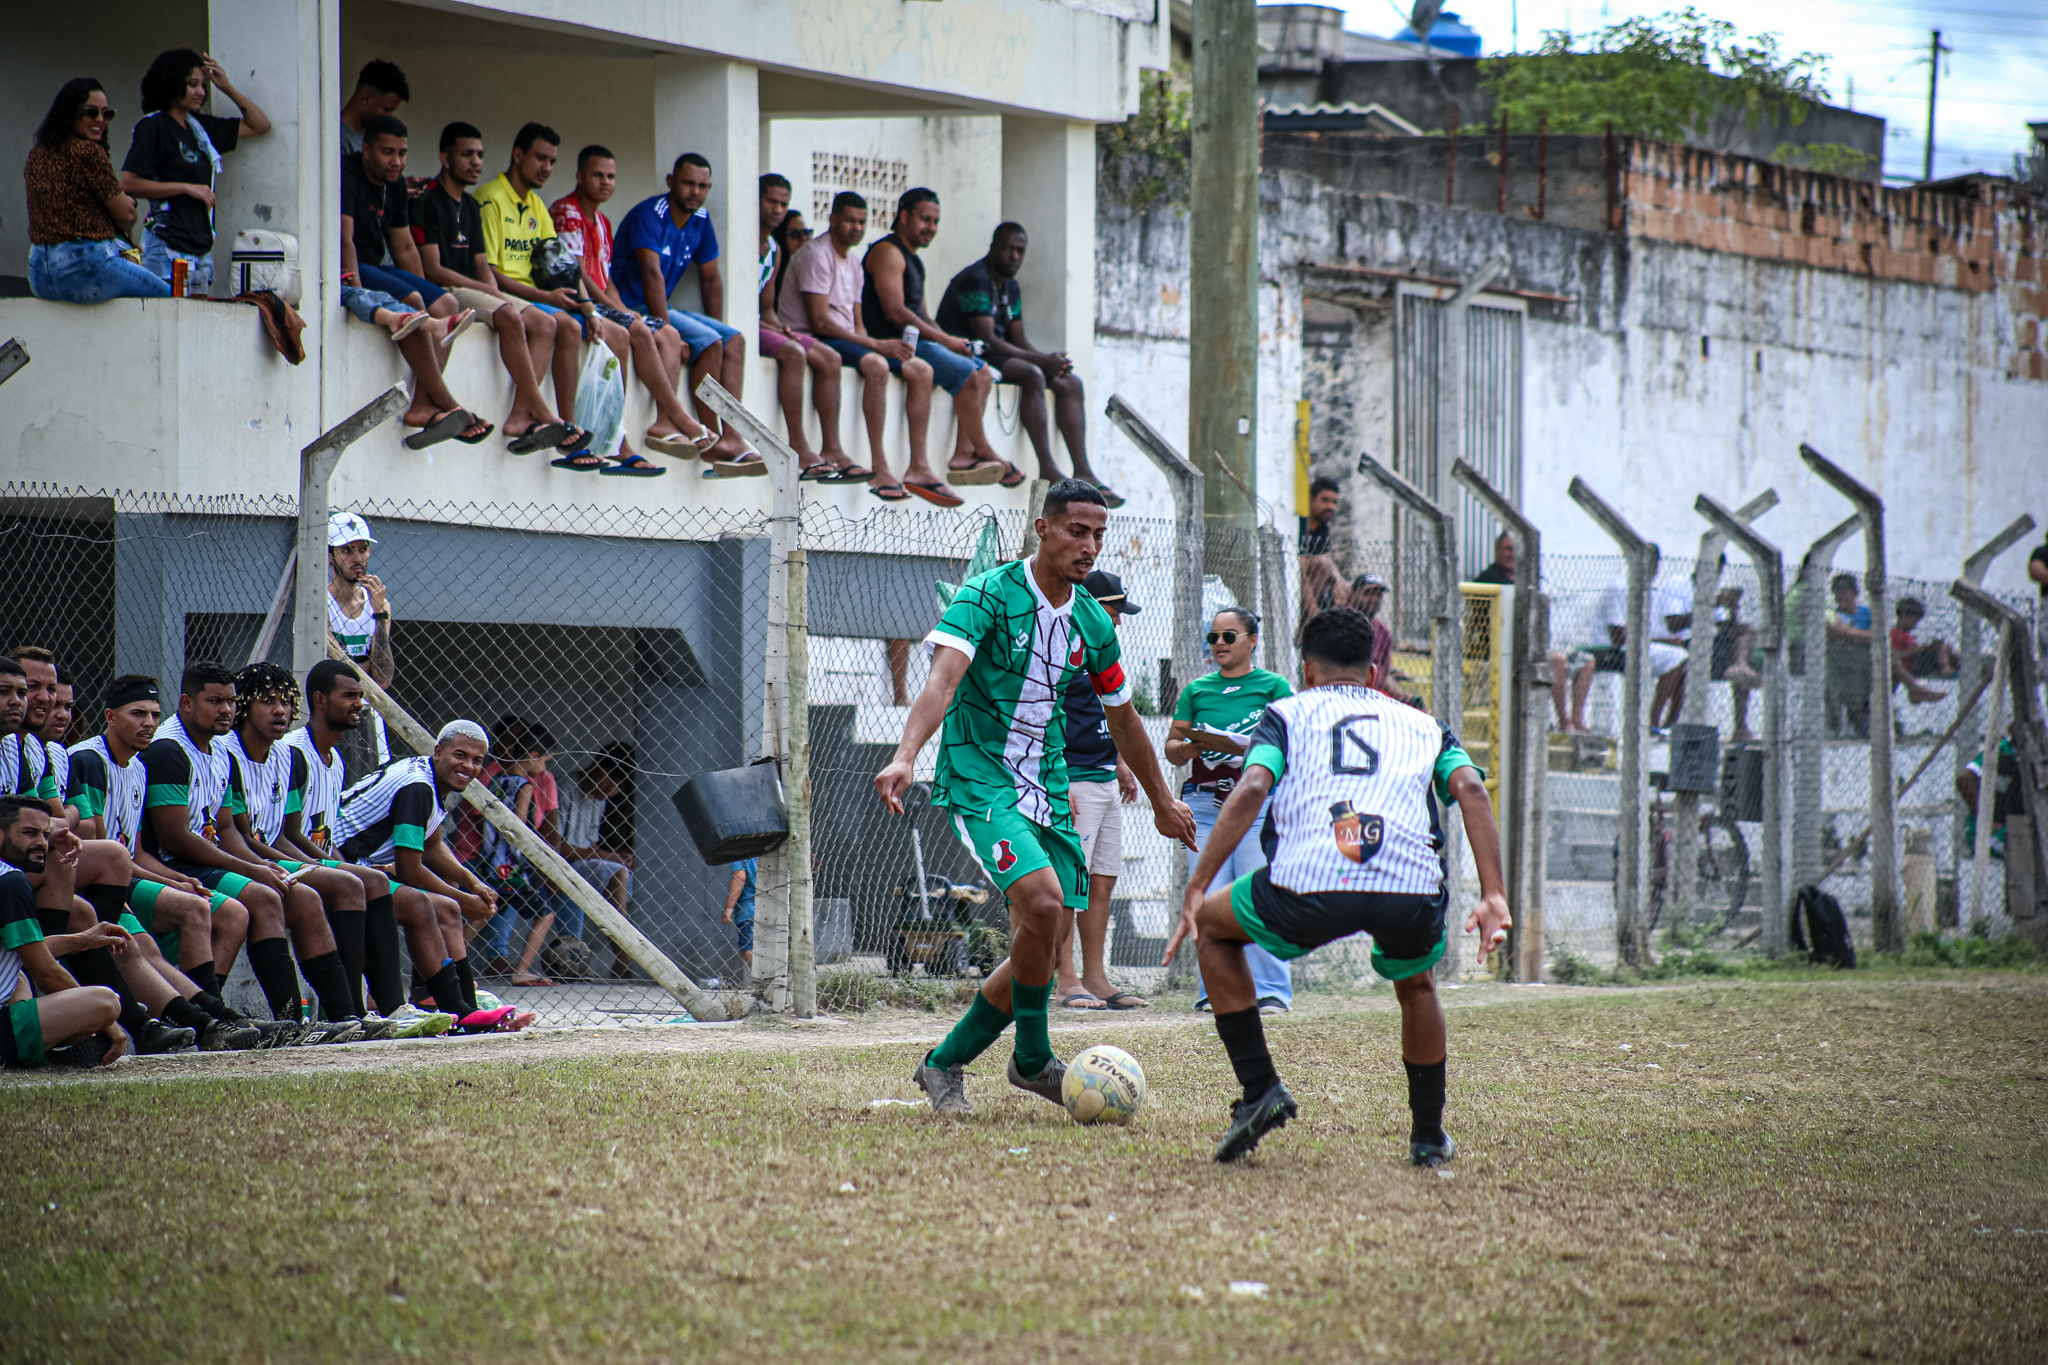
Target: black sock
{"points": [[185, 1014], [324, 975], [1244, 1038], [204, 978], [95, 967], [271, 960], [215, 1006], [380, 956], [349, 942], [1426, 1101], [107, 900], [134, 1017], [446, 988], [468, 979]]}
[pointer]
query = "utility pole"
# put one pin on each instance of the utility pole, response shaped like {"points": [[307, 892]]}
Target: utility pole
{"points": [[1933, 81], [1223, 282]]}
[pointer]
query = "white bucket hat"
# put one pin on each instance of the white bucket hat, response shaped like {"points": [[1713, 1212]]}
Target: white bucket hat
{"points": [[346, 528]]}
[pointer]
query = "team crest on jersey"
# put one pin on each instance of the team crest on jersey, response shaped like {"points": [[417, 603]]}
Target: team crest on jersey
{"points": [[1075, 657], [1358, 836], [1006, 857]]}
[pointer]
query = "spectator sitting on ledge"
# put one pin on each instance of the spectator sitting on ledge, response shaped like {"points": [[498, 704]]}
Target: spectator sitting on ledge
{"points": [[1935, 659], [78, 214], [380, 89]]}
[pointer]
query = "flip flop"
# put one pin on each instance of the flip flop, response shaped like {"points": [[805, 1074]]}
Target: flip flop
{"points": [[937, 494], [581, 461], [633, 467], [1110, 496], [851, 473], [889, 492], [821, 472], [978, 473], [749, 465], [445, 427], [1134, 1003], [577, 441], [412, 323], [1013, 478], [1090, 1007], [481, 436], [546, 436], [677, 444], [457, 325]]}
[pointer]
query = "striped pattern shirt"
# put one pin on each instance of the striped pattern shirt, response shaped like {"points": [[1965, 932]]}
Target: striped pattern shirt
{"points": [[25, 767], [19, 925], [321, 804], [180, 773], [268, 791], [1357, 781], [59, 767], [398, 806], [98, 786]]}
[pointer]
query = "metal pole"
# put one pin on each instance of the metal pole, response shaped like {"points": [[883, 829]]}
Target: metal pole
{"points": [[1987, 779], [2029, 737], [1223, 250], [1933, 83], [1631, 868], [1525, 737], [1810, 748], [1969, 650], [316, 467], [1770, 567], [1682, 869], [1189, 544], [1887, 926], [1447, 672], [803, 960]]}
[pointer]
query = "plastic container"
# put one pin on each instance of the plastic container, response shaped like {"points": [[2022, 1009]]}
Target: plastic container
{"points": [[735, 813]]}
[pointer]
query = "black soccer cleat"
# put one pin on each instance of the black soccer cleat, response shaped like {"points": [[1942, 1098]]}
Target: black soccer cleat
{"points": [[156, 1038], [1251, 1120], [1431, 1154]]}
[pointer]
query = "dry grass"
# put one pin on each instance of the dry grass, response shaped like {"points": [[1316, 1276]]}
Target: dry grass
{"points": [[1830, 1171]]}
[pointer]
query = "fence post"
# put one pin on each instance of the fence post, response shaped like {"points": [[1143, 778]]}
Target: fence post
{"points": [[1447, 670], [1968, 647], [1529, 649], [1631, 867], [316, 467], [803, 960], [1887, 928], [2030, 746], [1770, 567], [1682, 867], [1276, 630], [778, 939], [1190, 538], [1810, 748]]}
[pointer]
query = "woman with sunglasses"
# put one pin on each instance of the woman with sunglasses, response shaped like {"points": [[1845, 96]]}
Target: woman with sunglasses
{"points": [[1212, 721], [78, 216], [174, 160]]}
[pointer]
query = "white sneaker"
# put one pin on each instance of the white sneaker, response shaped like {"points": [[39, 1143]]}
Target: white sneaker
{"points": [[414, 1022]]}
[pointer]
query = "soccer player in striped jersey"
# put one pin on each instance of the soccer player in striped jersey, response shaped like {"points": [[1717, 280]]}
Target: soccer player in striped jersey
{"points": [[1353, 845], [1004, 652], [65, 1015], [334, 706]]}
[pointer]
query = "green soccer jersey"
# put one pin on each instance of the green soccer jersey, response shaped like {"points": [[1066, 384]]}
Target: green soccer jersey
{"points": [[1233, 705], [1005, 737]]}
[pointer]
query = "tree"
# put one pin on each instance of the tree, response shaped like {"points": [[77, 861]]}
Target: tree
{"points": [[1659, 78]]}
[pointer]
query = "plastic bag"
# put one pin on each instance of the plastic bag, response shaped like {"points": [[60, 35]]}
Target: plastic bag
{"points": [[601, 400]]}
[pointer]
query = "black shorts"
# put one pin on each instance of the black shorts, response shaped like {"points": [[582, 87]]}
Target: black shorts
{"points": [[1407, 930]]}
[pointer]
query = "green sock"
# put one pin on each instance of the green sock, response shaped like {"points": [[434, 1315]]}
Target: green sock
{"points": [[978, 1028], [1034, 1043]]}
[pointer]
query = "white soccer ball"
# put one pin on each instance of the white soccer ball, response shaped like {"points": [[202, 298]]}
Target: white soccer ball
{"points": [[1104, 1085]]}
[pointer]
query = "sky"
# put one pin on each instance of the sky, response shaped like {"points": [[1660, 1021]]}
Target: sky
{"points": [[1880, 47]]}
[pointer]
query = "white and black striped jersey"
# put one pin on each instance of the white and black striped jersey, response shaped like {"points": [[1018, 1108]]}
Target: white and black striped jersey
{"points": [[321, 805], [19, 926], [59, 765], [266, 791], [24, 767], [1354, 806], [178, 772], [398, 806], [98, 786]]}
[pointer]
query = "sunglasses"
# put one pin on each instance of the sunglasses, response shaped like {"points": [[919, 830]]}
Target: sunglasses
{"points": [[89, 112], [1225, 637]]}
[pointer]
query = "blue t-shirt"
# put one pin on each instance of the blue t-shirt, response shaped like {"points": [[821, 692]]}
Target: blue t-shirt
{"points": [[652, 227], [1858, 620], [743, 908]]}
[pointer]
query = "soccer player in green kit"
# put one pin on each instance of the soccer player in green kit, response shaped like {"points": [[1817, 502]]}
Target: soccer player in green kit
{"points": [[1003, 654]]}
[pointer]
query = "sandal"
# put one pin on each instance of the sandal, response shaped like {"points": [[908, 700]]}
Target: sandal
{"points": [[978, 473], [937, 494], [850, 473], [413, 322], [890, 492], [582, 461], [675, 443], [1110, 496], [749, 465], [633, 467], [445, 426], [482, 429], [457, 325], [1013, 478], [819, 471], [545, 436], [577, 441], [1080, 1001], [1124, 1000]]}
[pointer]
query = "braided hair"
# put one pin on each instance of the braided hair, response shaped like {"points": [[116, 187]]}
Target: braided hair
{"points": [[264, 682]]}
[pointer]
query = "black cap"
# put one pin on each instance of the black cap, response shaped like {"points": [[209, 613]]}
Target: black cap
{"points": [[1108, 588]]}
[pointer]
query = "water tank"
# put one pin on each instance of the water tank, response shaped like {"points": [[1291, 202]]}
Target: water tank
{"points": [[1449, 33]]}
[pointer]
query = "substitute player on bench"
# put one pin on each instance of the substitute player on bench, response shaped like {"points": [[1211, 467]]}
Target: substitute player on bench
{"points": [[1004, 652], [1353, 846]]}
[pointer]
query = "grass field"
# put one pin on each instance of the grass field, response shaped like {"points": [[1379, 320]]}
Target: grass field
{"points": [[1846, 1169]]}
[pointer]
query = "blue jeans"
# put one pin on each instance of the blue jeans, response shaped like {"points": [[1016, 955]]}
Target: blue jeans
{"points": [[364, 303], [398, 283], [699, 331], [90, 272], [1270, 976], [157, 258], [530, 903], [950, 369]]}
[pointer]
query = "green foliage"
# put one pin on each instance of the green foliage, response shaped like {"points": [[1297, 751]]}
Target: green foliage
{"points": [[1977, 949], [1653, 78], [1827, 158], [1145, 158], [1567, 968], [1142, 698], [849, 992]]}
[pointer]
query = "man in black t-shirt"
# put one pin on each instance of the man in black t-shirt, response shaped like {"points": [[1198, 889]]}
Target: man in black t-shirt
{"points": [[379, 247], [985, 303], [1502, 571]]}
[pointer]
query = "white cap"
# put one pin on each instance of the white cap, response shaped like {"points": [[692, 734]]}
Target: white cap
{"points": [[469, 729], [346, 528]]}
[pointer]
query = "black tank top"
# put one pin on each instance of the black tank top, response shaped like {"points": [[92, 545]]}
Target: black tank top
{"points": [[872, 317]]}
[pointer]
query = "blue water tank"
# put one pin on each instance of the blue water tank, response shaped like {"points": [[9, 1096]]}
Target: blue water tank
{"points": [[1448, 33]]}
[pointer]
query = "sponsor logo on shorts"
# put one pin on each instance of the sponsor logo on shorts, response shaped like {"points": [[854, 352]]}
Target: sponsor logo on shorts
{"points": [[1006, 857]]}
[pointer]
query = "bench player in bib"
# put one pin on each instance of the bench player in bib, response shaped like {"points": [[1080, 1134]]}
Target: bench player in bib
{"points": [[1003, 655], [1353, 846]]}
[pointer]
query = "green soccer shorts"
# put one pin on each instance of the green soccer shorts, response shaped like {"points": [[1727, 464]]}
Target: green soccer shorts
{"points": [[1008, 846], [21, 1034]]}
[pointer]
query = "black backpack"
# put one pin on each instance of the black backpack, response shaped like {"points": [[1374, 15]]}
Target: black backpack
{"points": [[1828, 925]]}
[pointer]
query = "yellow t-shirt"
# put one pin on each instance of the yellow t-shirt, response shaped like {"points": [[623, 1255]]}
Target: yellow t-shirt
{"points": [[513, 227]]}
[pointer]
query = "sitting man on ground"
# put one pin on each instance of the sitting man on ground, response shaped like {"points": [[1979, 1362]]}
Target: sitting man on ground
{"points": [[794, 352], [985, 303], [334, 708], [821, 298], [104, 868], [81, 1022], [1935, 659], [660, 238], [579, 838], [391, 821]]}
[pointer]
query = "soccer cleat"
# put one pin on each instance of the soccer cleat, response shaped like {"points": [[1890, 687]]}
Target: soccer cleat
{"points": [[945, 1087], [221, 1036], [85, 1053], [1046, 1084], [329, 1031], [156, 1038], [1251, 1120], [499, 1020], [1427, 1154], [272, 1033], [414, 1022], [376, 1028]]}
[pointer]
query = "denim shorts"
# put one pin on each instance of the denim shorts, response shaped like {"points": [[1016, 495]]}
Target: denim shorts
{"points": [[950, 369], [398, 283], [90, 272], [364, 303], [852, 351], [548, 308], [700, 332], [157, 258], [743, 932]]}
